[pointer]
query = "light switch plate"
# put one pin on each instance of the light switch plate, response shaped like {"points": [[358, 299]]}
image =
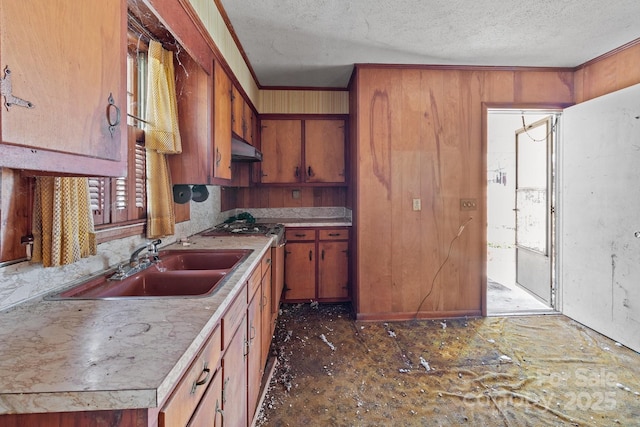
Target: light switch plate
{"points": [[417, 204]]}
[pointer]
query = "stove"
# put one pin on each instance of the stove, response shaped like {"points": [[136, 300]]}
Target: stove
{"points": [[241, 227]]}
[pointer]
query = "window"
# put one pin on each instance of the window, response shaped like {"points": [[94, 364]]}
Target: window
{"points": [[122, 201]]}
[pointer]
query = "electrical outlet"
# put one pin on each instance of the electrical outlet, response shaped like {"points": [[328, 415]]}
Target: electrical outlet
{"points": [[417, 204], [295, 194], [468, 204]]}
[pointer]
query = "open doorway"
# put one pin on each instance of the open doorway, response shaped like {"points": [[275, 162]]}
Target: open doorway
{"points": [[520, 211]]}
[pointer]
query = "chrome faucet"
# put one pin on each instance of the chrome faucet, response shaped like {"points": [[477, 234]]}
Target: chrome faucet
{"points": [[152, 249], [135, 265]]}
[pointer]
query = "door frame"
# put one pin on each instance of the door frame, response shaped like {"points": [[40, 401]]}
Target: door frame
{"points": [[541, 108]]}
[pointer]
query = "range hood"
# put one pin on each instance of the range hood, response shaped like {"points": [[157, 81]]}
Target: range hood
{"points": [[243, 152]]}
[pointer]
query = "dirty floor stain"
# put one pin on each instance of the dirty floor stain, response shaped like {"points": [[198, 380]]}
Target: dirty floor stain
{"points": [[498, 371]]}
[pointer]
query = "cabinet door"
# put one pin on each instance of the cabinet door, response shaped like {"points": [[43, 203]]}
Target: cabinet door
{"points": [[266, 317], [209, 412], [222, 123], [252, 125], [277, 282], [66, 58], [194, 164], [300, 271], [234, 401], [281, 142], [333, 270], [254, 367], [237, 113], [324, 145]]}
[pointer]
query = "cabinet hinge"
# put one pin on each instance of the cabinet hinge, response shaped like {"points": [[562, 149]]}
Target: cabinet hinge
{"points": [[6, 90]]}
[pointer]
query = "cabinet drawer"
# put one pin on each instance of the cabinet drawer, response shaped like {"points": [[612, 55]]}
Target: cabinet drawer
{"points": [[233, 317], [254, 282], [184, 400], [266, 263], [341, 234], [300, 234], [210, 408]]}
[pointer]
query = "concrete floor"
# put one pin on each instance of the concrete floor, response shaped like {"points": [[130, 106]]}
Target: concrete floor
{"points": [[493, 371], [508, 299], [504, 296]]}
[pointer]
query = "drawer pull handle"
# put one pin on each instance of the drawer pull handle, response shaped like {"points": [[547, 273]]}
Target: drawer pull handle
{"points": [[334, 234], [253, 333], [322, 255], [203, 381], [300, 235], [310, 255], [218, 411], [112, 122]]}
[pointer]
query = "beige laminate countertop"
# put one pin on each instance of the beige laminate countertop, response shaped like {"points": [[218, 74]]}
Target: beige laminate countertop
{"points": [[308, 222], [86, 355]]}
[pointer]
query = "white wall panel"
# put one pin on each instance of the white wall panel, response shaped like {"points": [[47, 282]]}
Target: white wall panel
{"points": [[600, 211]]}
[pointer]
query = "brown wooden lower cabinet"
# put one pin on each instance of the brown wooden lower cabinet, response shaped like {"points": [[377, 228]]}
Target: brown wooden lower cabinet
{"points": [[277, 283], [186, 396], [265, 310], [254, 368], [300, 271], [317, 264], [234, 386], [333, 270], [209, 413], [259, 331], [222, 384]]}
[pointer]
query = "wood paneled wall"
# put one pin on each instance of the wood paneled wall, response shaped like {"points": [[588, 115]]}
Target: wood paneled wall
{"points": [[420, 136], [15, 213], [613, 71], [282, 197]]}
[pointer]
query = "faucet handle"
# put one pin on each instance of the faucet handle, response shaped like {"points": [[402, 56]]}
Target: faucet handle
{"points": [[153, 246]]}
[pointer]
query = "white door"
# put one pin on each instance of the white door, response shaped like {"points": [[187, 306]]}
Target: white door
{"points": [[599, 214], [534, 185]]}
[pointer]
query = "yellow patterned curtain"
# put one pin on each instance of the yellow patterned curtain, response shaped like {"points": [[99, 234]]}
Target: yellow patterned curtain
{"points": [[162, 137], [62, 221]]}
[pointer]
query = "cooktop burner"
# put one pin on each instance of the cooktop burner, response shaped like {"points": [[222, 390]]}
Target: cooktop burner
{"points": [[244, 227]]}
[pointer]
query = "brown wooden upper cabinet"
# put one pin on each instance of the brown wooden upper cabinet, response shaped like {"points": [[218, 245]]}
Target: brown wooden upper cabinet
{"points": [[222, 123], [206, 150], [64, 70], [242, 117], [303, 151]]}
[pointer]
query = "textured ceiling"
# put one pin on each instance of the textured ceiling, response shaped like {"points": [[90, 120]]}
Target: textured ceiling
{"points": [[314, 43]]}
